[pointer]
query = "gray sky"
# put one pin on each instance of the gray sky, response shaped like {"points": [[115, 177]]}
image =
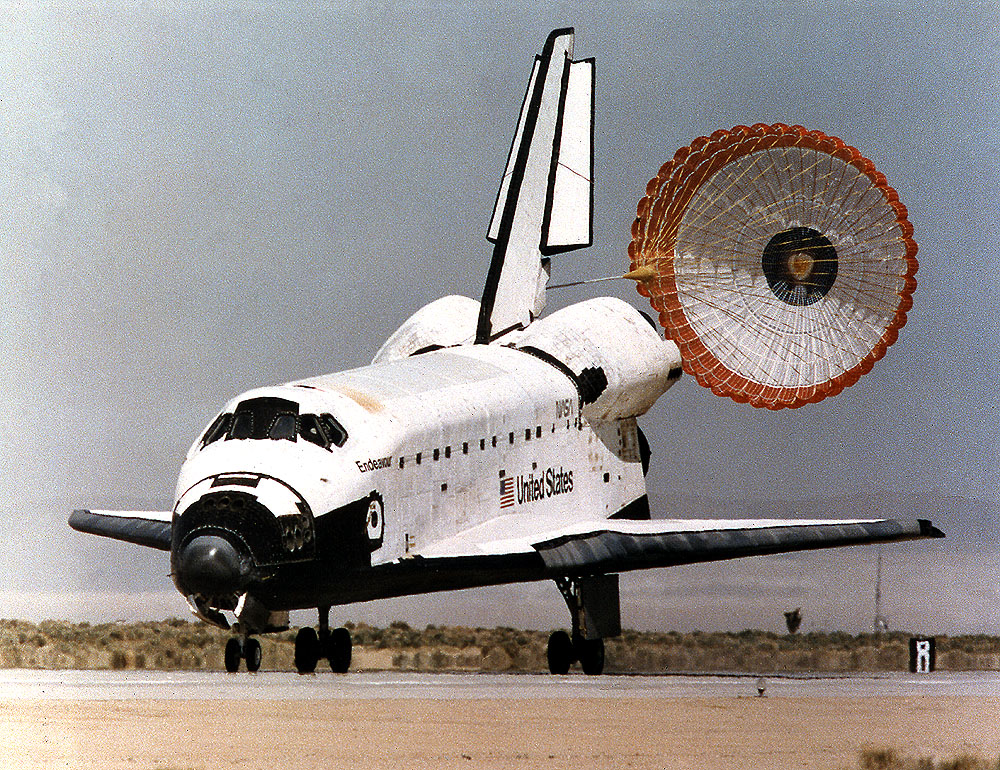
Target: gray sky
{"points": [[199, 200]]}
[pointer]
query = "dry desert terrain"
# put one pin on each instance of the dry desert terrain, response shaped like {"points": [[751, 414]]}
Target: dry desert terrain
{"points": [[770, 733]]}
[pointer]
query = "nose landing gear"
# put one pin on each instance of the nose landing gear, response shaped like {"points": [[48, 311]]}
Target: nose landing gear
{"points": [[334, 645], [239, 649]]}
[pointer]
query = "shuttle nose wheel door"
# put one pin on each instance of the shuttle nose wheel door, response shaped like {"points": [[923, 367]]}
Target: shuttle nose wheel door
{"points": [[333, 645]]}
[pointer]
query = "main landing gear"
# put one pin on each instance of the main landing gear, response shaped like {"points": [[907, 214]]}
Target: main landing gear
{"points": [[242, 648], [594, 609], [564, 651], [334, 645]]}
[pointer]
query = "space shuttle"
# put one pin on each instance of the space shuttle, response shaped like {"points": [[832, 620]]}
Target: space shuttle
{"points": [[489, 443]]}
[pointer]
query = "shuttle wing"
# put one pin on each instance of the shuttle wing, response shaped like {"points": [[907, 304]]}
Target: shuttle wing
{"points": [[613, 545], [545, 203], [148, 528], [665, 544]]}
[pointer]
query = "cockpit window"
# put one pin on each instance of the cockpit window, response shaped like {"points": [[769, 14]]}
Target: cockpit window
{"points": [[310, 430], [283, 427], [276, 419], [242, 425], [334, 430], [259, 417], [217, 429]]}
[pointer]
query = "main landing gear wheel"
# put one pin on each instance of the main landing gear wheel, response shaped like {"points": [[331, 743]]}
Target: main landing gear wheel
{"points": [[252, 654], [585, 644], [334, 645], [242, 649], [233, 656], [560, 653], [590, 653]]}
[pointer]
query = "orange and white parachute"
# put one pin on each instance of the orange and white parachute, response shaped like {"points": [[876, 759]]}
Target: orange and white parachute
{"points": [[780, 262]]}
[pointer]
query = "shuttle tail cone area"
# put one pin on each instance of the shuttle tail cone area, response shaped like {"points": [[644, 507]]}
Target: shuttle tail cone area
{"points": [[779, 260]]}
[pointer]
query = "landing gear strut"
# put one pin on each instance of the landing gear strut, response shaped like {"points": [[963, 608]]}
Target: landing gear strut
{"points": [[242, 648], [594, 612], [333, 645]]}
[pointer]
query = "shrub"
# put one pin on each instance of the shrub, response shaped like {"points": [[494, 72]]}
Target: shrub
{"points": [[890, 759]]}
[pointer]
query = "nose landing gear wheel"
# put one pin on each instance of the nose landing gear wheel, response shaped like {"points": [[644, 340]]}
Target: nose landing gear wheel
{"points": [[338, 650], [252, 654], [242, 649], [233, 656]]}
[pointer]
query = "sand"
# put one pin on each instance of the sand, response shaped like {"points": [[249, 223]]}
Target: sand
{"points": [[768, 733]]}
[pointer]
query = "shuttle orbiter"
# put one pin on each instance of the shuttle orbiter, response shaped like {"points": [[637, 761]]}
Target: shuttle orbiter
{"points": [[487, 443]]}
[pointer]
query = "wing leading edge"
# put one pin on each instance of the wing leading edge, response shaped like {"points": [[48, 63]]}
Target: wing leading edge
{"points": [[148, 528]]}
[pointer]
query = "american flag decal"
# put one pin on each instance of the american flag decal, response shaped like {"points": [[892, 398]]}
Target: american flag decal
{"points": [[507, 492]]}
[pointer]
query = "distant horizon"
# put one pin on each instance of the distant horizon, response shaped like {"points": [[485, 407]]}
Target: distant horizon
{"points": [[423, 628]]}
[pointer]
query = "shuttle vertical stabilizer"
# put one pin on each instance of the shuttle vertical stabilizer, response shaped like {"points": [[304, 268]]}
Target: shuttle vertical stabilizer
{"points": [[545, 201]]}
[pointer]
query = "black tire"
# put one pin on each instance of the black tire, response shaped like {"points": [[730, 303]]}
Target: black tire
{"points": [[306, 650], [591, 655], [253, 655], [233, 655], [559, 652], [338, 648]]}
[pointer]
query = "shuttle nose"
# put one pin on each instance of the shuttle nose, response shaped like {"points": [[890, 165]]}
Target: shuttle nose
{"points": [[211, 566]]}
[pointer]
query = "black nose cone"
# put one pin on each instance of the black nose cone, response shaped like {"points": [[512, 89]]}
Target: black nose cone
{"points": [[211, 566]]}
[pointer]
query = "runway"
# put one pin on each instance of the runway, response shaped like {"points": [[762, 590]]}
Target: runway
{"points": [[263, 686], [100, 720]]}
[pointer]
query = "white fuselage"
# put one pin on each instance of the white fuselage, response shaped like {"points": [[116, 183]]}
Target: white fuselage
{"points": [[441, 441], [489, 444], [449, 439]]}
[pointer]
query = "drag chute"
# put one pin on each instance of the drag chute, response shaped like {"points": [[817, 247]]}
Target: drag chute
{"points": [[779, 260]]}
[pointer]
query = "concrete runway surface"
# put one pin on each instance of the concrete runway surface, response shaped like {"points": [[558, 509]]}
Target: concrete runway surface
{"points": [[140, 720], [199, 685]]}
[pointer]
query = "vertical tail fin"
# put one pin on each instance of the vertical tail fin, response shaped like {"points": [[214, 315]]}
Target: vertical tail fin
{"points": [[545, 202]]}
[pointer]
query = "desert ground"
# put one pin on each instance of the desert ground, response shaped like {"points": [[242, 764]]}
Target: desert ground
{"points": [[770, 733]]}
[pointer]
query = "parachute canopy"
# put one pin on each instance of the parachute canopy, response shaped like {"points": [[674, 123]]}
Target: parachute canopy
{"points": [[782, 262]]}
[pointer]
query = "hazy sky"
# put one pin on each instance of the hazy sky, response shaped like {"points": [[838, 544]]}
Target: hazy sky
{"points": [[199, 200]]}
